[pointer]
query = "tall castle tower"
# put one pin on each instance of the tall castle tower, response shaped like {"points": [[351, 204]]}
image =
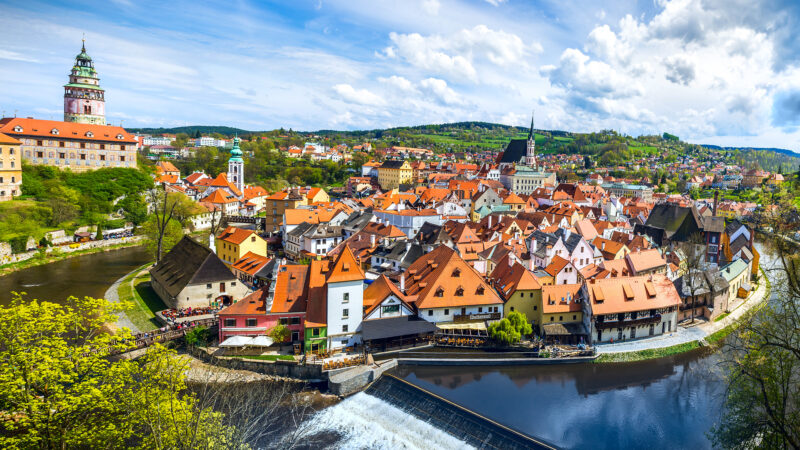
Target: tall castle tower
{"points": [[84, 99], [236, 166], [530, 153]]}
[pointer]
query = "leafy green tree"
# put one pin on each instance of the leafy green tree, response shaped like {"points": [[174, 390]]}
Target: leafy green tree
{"points": [[504, 333], [279, 333], [520, 322], [59, 389], [160, 240], [134, 209]]}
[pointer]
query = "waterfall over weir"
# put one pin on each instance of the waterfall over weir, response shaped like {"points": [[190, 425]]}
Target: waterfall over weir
{"points": [[394, 414]]}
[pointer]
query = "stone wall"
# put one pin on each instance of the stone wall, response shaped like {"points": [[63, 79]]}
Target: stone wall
{"points": [[355, 379], [8, 258], [287, 369]]}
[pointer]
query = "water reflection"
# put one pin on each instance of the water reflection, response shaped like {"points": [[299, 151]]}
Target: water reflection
{"points": [[80, 276]]}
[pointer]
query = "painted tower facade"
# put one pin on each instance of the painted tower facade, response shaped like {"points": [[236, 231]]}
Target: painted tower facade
{"points": [[236, 166], [84, 99], [530, 153]]}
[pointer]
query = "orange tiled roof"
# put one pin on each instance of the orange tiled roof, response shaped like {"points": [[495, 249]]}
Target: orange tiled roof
{"points": [[345, 268], [377, 292], [561, 298], [252, 304], [624, 294], [291, 289], [235, 235], [441, 279], [645, 260], [5, 139], [219, 196], [250, 263], [66, 130]]}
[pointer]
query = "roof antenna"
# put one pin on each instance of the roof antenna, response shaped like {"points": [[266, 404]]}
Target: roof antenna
{"points": [[83, 42]]}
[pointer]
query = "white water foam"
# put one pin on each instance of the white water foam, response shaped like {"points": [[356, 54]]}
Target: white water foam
{"points": [[365, 421]]}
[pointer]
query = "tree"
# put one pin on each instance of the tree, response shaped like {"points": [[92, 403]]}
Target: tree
{"points": [[762, 356], [59, 389], [510, 329], [693, 252], [134, 209], [161, 240], [279, 333], [163, 213]]}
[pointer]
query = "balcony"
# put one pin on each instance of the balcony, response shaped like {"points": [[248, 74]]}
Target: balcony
{"points": [[628, 323], [458, 318]]}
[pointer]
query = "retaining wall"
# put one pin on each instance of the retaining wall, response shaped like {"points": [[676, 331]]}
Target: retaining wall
{"points": [[353, 380], [289, 369]]}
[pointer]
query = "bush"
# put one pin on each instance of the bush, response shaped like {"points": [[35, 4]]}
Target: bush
{"points": [[279, 333], [198, 336]]}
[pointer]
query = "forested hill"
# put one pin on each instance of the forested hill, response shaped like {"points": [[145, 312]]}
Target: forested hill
{"points": [[192, 130]]}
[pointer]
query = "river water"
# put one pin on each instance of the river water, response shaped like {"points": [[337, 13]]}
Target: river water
{"points": [[658, 404], [666, 403], [86, 275]]}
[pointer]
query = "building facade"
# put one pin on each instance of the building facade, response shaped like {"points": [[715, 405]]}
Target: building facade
{"points": [[10, 168], [77, 146], [393, 173]]}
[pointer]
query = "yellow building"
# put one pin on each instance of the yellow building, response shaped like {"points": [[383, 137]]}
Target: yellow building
{"points": [[10, 168], [233, 243], [393, 173], [520, 290]]}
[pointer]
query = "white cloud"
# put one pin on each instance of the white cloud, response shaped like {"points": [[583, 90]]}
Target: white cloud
{"points": [[679, 70], [398, 82], [576, 72], [357, 96], [439, 89], [456, 55], [14, 56], [495, 2]]}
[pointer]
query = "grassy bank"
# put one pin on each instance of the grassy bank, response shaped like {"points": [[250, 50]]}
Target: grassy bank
{"points": [[265, 357], [135, 288], [57, 255]]}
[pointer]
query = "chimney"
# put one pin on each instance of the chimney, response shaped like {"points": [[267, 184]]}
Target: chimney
{"points": [[372, 240], [716, 197], [403, 283], [603, 245], [490, 221], [510, 261], [211, 243]]}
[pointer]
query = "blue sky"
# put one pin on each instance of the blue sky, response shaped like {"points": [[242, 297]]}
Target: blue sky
{"points": [[715, 71]]}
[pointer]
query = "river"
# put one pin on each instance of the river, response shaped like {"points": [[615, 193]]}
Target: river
{"points": [[658, 404], [86, 275]]}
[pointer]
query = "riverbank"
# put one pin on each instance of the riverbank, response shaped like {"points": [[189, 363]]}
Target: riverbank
{"points": [[58, 254], [134, 288], [707, 335]]}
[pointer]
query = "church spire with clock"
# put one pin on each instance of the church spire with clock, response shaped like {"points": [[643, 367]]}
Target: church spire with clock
{"points": [[84, 99], [236, 166], [530, 151]]}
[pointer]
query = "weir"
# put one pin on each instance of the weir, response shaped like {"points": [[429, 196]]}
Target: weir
{"points": [[474, 429]]}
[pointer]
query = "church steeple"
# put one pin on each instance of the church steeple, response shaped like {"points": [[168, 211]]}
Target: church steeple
{"points": [[236, 166], [530, 153]]}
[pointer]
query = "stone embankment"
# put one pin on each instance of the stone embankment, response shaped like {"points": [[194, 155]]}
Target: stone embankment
{"points": [[62, 251]]}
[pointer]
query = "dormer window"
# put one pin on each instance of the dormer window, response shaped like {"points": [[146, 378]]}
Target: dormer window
{"points": [[119, 136], [460, 292], [18, 129], [479, 291], [456, 273], [89, 134], [54, 131], [440, 292]]}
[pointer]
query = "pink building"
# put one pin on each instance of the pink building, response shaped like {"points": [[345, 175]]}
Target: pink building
{"points": [[260, 311]]}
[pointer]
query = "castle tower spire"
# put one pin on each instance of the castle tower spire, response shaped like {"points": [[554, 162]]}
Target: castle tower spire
{"points": [[84, 99], [530, 153]]}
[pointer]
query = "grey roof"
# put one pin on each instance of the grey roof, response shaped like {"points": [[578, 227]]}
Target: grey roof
{"points": [[432, 234], [733, 269], [571, 242], [300, 229], [189, 263], [395, 327], [732, 226], [671, 221], [323, 231], [392, 164], [714, 224], [514, 152], [357, 220], [710, 280]]}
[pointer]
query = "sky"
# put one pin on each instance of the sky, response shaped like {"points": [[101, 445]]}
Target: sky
{"points": [[724, 72]]}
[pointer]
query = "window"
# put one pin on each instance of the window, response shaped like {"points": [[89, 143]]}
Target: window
{"points": [[574, 317], [345, 313], [344, 328], [430, 312], [251, 322], [512, 309], [39, 143], [346, 297], [315, 331], [446, 312], [61, 144], [230, 322], [83, 145], [208, 286], [62, 155], [233, 283], [40, 154], [560, 318], [534, 307], [83, 155], [552, 319], [294, 320]]}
